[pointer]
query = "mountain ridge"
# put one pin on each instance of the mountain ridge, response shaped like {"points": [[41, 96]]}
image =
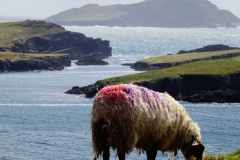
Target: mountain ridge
{"points": [[149, 13]]}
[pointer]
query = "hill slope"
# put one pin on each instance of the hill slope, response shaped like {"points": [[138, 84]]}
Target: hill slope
{"points": [[212, 80], [43, 37], [149, 13], [43, 40]]}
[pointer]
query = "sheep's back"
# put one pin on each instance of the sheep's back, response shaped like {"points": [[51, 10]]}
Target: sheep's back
{"points": [[136, 105]]}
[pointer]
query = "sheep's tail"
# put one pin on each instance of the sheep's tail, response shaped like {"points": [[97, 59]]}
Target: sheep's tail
{"points": [[99, 136]]}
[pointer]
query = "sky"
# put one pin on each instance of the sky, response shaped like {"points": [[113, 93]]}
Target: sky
{"points": [[41, 9]]}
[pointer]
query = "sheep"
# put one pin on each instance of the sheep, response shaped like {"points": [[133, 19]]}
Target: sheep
{"points": [[128, 116]]}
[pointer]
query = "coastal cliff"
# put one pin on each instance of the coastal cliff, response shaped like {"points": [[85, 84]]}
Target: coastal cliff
{"points": [[205, 80], [39, 37], [191, 88], [200, 88], [210, 52], [16, 62], [77, 45]]}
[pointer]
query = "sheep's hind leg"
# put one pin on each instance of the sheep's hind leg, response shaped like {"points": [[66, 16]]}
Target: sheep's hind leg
{"points": [[151, 154], [121, 155], [106, 154]]}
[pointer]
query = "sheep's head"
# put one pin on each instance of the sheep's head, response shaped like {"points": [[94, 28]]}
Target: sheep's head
{"points": [[195, 149]]}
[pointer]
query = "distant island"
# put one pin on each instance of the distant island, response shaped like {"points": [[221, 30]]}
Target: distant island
{"points": [[208, 76], [149, 13], [39, 45]]}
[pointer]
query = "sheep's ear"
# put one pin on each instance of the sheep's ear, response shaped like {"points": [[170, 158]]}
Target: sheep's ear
{"points": [[195, 143]]}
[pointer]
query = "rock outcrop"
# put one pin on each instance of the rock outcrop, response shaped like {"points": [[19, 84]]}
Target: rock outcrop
{"points": [[142, 66], [191, 88], [77, 45], [32, 36], [209, 48], [41, 63]]}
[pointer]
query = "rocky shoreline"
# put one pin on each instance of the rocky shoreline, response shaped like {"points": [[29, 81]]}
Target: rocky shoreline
{"points": [[77, 45], [43, 63], [191, 88], [51, 38], [187, 87]]}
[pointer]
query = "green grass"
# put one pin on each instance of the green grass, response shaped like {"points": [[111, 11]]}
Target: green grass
{"points": [[232, 156], [211, 67], [20, 31], [14, 57], [186, 57], [236, 58]]}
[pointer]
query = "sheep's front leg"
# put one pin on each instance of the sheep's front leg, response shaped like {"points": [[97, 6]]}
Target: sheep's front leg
{"points": [[151, 154], [106, 154], [121, 155], [176, 155]]}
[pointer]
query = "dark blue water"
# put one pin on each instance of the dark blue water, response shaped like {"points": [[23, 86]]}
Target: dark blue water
{"points": [[39, 121]]}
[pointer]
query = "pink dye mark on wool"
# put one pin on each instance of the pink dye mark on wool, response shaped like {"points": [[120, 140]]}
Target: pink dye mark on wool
{"points": [[146, 97], [157, 96], [129, 90], [118, 95], [124, 95], [150, 96]]}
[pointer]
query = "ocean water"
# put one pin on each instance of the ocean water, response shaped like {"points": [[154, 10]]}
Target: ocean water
{"points": [[39, 121], [134, 43]]}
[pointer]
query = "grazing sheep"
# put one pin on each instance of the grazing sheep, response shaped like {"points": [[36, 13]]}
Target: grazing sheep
{"points": [[127, 116]]}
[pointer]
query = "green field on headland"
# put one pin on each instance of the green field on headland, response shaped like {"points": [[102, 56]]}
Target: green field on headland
{"points": [[206, 67], [28, 62], [189, 56], [14, 57], [19, 31], [184, 58], [14, 35], [215, 78], [36, 37]]}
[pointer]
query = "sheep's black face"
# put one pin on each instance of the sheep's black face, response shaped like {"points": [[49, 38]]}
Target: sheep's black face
{"points": [[196, 149]]}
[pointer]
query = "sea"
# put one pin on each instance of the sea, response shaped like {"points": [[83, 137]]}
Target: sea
{"points": [[38, 121]]}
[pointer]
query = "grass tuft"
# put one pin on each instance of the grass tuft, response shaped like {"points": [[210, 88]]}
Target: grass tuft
{"points": [[232, 156]]}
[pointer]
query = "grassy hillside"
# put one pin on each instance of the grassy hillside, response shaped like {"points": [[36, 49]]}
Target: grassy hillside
{"points": [[36, 37], [14, 57], [210, 67], [19, 62], [20, 31], [187, 57]]}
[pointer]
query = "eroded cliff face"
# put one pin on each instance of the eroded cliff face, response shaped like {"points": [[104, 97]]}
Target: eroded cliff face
{"points": [[42, 63], [41, 37], [191, 88], [200, 88], [77, 45]]}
